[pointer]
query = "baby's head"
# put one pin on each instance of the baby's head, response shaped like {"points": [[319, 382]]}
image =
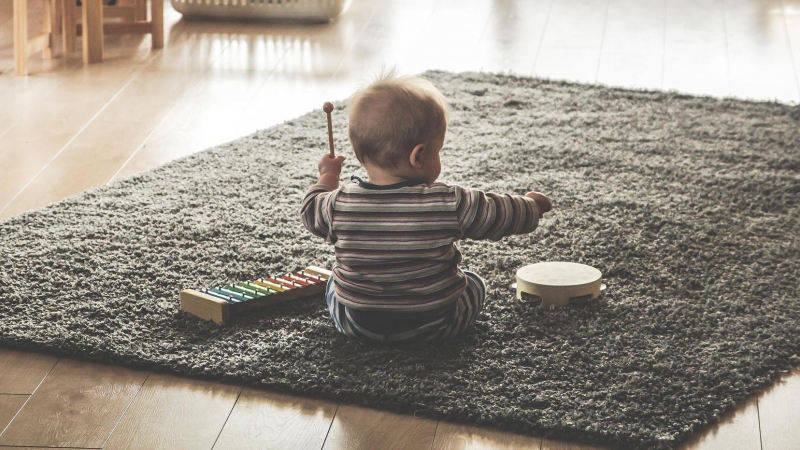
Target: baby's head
{"points": [[397, 126]]}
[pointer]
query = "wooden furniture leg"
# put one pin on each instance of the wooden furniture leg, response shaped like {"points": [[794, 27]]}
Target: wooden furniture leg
{"points": [[92, 11], [56, 27], [68, 23], [23, 46], [47, 28], [21, 36], [141, 10], [157, 21]]}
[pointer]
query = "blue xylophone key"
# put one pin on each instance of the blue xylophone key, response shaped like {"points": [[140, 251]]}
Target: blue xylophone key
{"points": [[240, 294], [220, 296], [235, 296]]}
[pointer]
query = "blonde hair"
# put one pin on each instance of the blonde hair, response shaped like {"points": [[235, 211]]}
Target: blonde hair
{"points": [[392, 115]]}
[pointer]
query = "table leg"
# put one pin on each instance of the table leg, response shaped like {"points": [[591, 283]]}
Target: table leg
{"points": [[92, 31]]}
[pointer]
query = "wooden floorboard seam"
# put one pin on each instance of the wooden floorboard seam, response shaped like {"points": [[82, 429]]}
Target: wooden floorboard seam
{"points": [[727, 46], [328, 433], [664, 48], [541, 36], [436, 430], [352, 46], [133, 76], [141, 145], [29, 397], [121, 416], [789, 43], [238, 396], [40, 446], [602, 43], [758, 414], [158, 126]]}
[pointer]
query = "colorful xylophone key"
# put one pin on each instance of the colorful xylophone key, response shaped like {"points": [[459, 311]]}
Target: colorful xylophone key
{"points": [[220, 302]]}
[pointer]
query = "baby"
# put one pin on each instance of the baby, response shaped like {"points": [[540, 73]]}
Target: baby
{"points": [[396, 277]]}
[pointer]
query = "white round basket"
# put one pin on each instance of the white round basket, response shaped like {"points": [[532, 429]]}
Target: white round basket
{"points": [[267, 10]]}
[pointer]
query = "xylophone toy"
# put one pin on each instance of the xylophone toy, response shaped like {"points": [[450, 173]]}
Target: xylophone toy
{"points": [[221, 302]]}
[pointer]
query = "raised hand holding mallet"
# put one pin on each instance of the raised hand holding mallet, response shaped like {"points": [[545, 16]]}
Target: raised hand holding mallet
{"points": [[328, 108], [330, 166]]}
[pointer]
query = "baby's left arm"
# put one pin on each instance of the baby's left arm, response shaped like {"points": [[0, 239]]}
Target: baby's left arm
{"points": [[486, 215]]}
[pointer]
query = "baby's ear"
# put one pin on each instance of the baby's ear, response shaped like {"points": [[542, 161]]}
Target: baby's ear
{"points": [[415, 158]]}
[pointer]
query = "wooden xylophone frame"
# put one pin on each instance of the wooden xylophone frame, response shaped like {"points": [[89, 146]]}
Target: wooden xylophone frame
{"points": [[211, 306]]}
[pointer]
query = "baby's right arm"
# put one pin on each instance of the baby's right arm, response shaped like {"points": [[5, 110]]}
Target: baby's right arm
{"points": [[486, 215]]}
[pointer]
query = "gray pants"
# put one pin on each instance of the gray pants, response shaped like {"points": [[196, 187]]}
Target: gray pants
{"points": [[451, 322]]}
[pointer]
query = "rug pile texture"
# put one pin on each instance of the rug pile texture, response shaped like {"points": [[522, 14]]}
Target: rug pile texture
{"points": [[689, 206]]}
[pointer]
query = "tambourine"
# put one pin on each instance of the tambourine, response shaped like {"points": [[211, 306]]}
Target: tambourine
{"points": [[558, 284]]}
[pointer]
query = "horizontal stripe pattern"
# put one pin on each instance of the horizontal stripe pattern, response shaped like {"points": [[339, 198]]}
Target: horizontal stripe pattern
{"points": [[395, 247]]}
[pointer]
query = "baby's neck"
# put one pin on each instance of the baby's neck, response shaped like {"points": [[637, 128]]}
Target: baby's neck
{"points": [[382, 177]]}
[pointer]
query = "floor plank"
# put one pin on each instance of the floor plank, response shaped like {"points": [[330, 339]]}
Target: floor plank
{"points": [[266, 420], [633, 44], [576, 24], [791, 14], [174, 413], [737, 430], [695, 48], [451, 436], [549, 444], [779, 409], [9, 406], [3, 447], [21, 372], [109, 144], [356, 428], [763, 68], [77, 405]]}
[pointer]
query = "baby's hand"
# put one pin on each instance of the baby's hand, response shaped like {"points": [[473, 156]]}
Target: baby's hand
{"points": [[542, 202], [331, 165]]}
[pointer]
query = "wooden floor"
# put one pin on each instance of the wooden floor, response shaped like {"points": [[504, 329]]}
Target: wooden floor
{"points": [[69, 127]]}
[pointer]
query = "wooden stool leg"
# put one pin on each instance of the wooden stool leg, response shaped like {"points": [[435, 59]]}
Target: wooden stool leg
{"points": [[157, 9], [92, 31], [21, 36], [47, 28], [68, 25], [141, 10], [56, 27]]}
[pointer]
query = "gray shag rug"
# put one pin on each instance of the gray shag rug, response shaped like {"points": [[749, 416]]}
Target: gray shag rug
{"points": [[688, 205]]}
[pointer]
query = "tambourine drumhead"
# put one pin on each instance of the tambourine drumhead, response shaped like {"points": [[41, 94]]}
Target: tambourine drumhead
{"points": [[556, 282]]}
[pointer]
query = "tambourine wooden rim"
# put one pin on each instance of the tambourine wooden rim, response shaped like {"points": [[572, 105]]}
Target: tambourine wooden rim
{"points": [[559, 283]]}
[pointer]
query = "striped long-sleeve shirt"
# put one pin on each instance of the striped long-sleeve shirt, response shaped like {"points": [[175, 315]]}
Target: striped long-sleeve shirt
{"points": [[395, 245]]}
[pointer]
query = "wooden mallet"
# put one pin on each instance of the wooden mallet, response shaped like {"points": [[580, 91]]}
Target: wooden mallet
{"points": [[328, 108]]}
